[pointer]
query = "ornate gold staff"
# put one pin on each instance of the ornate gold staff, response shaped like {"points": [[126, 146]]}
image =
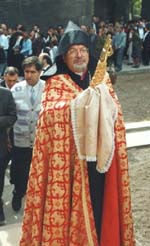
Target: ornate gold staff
{"points": [[102, 63]]}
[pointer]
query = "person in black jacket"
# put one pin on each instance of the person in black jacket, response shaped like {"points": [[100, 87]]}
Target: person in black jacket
{"points": [[7, 119], [146, 46]]}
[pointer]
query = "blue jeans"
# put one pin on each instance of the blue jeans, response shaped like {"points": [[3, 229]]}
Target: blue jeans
{"points": [[118, 56]]}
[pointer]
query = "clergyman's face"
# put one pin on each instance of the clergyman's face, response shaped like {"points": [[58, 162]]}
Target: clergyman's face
{"points": [[31, 75], [77, 58]]}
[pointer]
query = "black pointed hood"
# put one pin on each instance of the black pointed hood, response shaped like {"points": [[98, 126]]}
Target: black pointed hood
{"points": [[72, 35]]}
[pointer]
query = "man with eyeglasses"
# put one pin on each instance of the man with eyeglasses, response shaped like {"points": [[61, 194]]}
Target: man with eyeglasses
{"points": [[68, 201]]}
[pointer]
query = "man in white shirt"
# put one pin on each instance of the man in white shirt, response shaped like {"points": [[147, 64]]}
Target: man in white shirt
{"points": [[141, 30], [27, 95], [26, 45]]}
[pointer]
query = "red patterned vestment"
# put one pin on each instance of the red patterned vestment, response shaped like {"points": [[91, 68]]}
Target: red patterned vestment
{"points": [[58, 209]]}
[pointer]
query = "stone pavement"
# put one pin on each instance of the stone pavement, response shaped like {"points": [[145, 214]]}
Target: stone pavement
{"points": [[138, 134], [129, 69], [10, 233]]}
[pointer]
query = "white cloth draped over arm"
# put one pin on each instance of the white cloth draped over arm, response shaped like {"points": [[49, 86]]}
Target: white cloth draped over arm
{"points": [[93, 114]]}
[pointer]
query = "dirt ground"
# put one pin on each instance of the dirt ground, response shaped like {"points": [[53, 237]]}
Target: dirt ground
{"points": [[133, 91]]}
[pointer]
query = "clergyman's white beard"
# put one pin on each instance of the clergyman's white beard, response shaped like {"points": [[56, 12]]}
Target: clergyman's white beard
{"points": [[80, 68]]}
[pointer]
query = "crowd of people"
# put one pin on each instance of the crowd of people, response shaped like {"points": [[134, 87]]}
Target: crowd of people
{"points": [[130, 41], [78, 192]]}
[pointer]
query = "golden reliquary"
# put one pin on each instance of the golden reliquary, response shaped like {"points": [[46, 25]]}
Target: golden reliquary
{"points": [[102, 63]]}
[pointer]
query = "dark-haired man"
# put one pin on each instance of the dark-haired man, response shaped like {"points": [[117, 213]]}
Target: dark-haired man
{"points": [[27, 95]]}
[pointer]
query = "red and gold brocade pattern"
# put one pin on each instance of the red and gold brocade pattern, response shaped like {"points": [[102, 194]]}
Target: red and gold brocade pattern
{"points": [[58, 209]]}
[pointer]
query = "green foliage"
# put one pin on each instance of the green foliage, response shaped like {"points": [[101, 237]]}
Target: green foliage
{"points": [[136, 7]]}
